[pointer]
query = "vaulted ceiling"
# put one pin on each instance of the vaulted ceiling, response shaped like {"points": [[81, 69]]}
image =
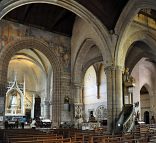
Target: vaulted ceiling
{"points": [[138, 51], [59, 20]]}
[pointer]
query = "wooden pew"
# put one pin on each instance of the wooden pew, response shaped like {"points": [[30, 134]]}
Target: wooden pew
{"points": [[65, 140], [32, 138]]}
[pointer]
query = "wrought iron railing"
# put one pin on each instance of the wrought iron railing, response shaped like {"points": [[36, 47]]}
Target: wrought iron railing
{"points": [[129, 123]]}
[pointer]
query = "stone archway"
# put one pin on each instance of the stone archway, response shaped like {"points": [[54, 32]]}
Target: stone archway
{"points": [[128, 13], [136, 52], [80, 64], [27, 43], [141, 36], [124, 23], [91, 62], [78, 9], [144, 102]]}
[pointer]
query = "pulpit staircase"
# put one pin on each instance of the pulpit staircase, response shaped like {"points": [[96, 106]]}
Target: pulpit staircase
{"points": [[126, 120]]}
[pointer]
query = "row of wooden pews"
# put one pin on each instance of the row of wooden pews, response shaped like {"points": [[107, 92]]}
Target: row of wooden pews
{"points": [[79, 136], [141, 134], [32, 136]]}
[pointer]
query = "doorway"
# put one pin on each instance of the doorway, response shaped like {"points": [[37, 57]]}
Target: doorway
{"points": [[146, 117]]}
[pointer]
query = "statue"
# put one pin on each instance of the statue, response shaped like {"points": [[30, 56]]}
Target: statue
{"points": [[92, 118], [66, 99], [128, 79], [126, 74], [15, 101]]}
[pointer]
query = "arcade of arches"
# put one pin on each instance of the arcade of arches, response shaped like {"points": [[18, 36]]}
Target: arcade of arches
{"points": [[55, 53]]}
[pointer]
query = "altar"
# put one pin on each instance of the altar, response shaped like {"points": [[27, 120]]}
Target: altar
{"points": [[17, 102], [90, 125]]}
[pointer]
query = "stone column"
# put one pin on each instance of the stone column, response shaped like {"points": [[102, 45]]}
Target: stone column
{"points": [[47, 109], [98, 79], [77, 93], [118, 90], [78, 106], [2, 103], [33, 104], [110, 94], [152, 103], [42, 109], [130, 98], [82, 92], [22, 104], [98, 89], [114, 95]]}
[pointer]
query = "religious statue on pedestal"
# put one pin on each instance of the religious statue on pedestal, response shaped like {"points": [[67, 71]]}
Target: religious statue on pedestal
{"points": [[14, 100], [92, 118]]}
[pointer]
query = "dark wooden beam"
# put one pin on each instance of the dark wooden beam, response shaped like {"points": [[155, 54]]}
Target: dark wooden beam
{"points": [[58, 18], [26, 12]]}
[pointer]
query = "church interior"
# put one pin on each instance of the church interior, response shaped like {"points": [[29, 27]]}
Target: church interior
{"points": [[86, 66]]}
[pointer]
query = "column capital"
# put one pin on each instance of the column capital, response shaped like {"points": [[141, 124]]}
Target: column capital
{"points": [[112, 68], [77, 85], [78, 104]]}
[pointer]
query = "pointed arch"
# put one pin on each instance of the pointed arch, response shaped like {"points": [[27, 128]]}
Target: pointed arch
{"points": [[75, 7], [124, 21], [33, 43], [80, 66], [148, 88], [145, 103], [141, 36], [128, 13]]}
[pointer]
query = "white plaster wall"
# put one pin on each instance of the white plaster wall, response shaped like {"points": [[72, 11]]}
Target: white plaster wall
{"points": [[136, 91], [91, 102], [103, 86], [145, 104], [90, 88], [143, 73]]}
